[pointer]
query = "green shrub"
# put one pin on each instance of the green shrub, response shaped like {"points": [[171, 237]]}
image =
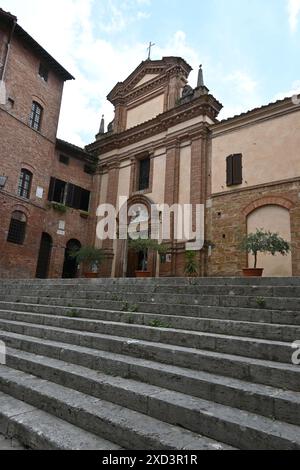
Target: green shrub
{"points": [[264, 242]]}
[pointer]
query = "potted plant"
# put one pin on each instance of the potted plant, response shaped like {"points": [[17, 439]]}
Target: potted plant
{"points": [[91, 258], [263, 242], [143, 246], [191, 266]]}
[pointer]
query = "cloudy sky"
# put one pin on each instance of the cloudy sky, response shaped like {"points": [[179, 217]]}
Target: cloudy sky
{"points": [[249, 49]]}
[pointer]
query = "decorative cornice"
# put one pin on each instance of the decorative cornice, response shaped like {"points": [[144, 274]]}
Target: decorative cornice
{"points": [[205, 105], [165, 68], [264, 113], [256, 187]]}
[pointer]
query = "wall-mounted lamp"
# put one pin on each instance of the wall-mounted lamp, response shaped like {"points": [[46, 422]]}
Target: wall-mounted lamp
{"points": [[3, 180]]}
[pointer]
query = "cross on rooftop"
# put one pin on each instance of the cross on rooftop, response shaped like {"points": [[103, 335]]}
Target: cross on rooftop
{"points": [[149, 49]]}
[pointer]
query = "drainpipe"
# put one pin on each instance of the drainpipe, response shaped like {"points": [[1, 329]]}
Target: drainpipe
{"points": [[8, 49]]}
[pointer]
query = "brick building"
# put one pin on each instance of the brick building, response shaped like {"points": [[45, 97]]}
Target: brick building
{"points": [[45, 183], [166, 145]]}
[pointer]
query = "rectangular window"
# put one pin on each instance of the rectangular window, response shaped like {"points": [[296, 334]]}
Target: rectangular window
{"points": [[85, 200], [234, 166], [144, 174], [44, 72], [17, 228], [78, 198], [36, 116], [24, 185], [89, 169], [63, 159], [16, 233], [69, 194], [57, 190]]}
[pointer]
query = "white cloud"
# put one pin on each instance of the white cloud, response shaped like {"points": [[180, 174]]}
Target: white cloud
{"points": [[69, 30], [117, 16], [294, 90], [242, 81], [294, 12], [241, 93]]}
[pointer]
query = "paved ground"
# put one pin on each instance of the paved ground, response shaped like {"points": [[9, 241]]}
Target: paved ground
{"points": [[9, 444]]}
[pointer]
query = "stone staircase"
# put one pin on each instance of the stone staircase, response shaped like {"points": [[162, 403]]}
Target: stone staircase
{"points": [[151, 363]]}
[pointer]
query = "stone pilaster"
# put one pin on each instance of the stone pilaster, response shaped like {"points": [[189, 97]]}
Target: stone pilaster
{"points": [[111, 198], [199, 182], [172, 188]]}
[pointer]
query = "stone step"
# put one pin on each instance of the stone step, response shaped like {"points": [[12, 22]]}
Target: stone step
{"points": [[121, 336], [263, 400], [38, 429], [7, 443], [135, 299], [127, 428], [221, 313], [206, 281], [158, 289], [269, 315], [76, 320], [137, 358]]}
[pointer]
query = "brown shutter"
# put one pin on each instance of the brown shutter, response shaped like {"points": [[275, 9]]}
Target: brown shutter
{"points": [[237, 169], [51, 189], [85, 200], [77, 197], [70, 195], [229, 169]]}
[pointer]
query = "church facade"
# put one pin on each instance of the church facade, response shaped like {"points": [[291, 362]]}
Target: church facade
{"points": [[167, 146]]}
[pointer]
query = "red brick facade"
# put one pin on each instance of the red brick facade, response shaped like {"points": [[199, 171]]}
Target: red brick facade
{"points": [[22, 147]]}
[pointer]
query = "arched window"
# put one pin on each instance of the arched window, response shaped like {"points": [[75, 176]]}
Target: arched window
{"points": [[36, 116], [17, 228], [25, 181]]}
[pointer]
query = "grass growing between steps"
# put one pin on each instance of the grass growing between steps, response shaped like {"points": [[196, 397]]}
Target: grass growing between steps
{"points": [[72, 314], [261, 302], [159, 324]]}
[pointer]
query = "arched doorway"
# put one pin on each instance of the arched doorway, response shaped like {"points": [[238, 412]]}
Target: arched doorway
{"points": [[135, 218], [70, 263], [138, 225], [42, 269], [276, 219]]}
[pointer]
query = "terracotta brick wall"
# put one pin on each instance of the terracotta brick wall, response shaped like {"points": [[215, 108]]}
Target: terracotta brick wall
{"points": [[24, 85], [23, 147], [228, 225]]}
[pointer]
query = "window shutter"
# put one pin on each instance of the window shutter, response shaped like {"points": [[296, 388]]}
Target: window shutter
{"points": [[85, 200], [70, 195], [237, 169], [229, 169], [51, 189], [77, 197]]}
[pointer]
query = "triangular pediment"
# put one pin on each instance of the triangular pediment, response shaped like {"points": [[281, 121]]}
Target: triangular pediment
{"points": [[146, 78], [148, 71]]}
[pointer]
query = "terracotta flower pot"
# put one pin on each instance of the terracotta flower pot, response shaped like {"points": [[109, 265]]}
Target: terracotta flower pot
{"points": [[91, 275], [142, 274], [253, 272]]}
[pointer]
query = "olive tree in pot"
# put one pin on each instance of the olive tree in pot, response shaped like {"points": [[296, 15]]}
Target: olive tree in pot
{"points": [[91, 258], [263, 242], [144, 246]]}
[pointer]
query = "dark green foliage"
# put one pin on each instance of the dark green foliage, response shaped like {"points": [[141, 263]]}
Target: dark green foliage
{"points": [[264, 242], [191, 266]]}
